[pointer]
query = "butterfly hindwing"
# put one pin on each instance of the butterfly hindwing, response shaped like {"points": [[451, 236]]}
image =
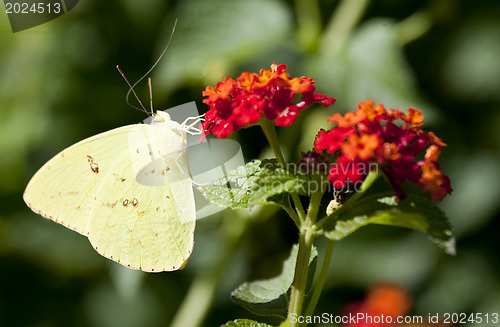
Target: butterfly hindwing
{"points": [[127, 190]]}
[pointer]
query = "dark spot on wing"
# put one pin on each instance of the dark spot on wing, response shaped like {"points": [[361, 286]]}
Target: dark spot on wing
{"points": [[125, 202], [123, 179], [93, 165], [137, 150], [135, 202]]}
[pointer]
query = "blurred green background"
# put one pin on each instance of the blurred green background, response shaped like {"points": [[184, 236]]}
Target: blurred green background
{"points": [[59, 85]]}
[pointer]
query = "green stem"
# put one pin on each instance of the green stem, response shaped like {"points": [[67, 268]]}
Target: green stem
{"points": [[318, 285], [298, 206], [300, 279], [308, 23], [413, 27], [369, 180], [202, 291], [292, 215], [346, 16], [272, 138], [199, 296], [306, 239]]}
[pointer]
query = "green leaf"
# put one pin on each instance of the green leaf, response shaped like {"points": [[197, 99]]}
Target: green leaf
{"points": [[413, 212], [270, 297], [272, 180], [256, 183], [245, 323], [234, 190]]}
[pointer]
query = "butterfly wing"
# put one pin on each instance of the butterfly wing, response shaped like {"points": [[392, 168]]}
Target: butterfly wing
{"points": [[127, 190]]}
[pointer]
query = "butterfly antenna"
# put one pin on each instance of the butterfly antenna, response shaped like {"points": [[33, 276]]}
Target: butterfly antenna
{"points": [[156, 62], [150, 95], [131, 90]]}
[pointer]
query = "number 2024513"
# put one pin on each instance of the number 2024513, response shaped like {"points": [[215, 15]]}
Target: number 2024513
{"points": [[32, 8]]}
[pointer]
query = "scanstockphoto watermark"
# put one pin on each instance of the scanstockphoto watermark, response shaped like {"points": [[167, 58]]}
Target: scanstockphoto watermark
{"points": [[356, 318], [366, 319], [321, 171]]}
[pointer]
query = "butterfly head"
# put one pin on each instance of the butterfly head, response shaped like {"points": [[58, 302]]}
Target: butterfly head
{"points": [[161, 117]]}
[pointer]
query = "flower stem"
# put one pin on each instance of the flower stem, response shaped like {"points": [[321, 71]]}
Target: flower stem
{"points": [[272, 138], [369, 180], [413, 27], [300, 279], [346, 16], [202, 291], [306, 239], [318, 286], [308, 23]]}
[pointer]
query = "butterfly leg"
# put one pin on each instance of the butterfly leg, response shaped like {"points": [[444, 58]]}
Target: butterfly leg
{"points": [[190, 129]]}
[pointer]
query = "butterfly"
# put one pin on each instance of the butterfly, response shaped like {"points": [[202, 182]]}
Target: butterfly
{"points": [[128, 190]]}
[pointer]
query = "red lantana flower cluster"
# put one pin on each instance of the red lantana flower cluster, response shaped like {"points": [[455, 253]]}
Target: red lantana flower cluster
{"points": [[389, 139], [235, 104]]}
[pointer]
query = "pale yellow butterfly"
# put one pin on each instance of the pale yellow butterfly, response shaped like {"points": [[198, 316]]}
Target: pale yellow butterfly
{"points": [[128, 190]]}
